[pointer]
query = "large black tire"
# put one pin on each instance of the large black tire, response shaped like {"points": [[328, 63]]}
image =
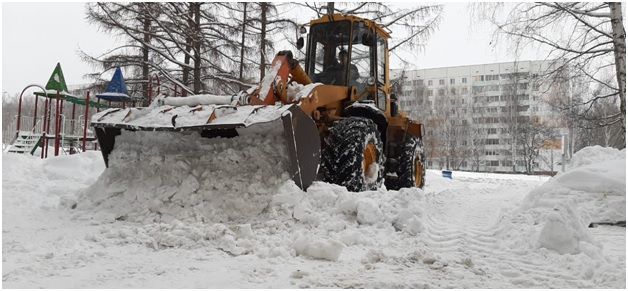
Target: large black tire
{"points": [[343, 155], [410, 171]]}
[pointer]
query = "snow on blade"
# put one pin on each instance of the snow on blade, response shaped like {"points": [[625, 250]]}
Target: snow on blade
{"points": [[187, 116], [206, 99], [297, 91]]}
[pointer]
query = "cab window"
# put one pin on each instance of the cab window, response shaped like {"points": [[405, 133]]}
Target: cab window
{"points": [[327, 42], [381, 73], [362, 56]]}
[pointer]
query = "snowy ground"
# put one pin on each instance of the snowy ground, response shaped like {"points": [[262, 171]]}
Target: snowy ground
{"points": [[475, 231]]}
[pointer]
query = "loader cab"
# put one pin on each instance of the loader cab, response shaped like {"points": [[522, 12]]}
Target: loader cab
{"points": [[351, 52]]}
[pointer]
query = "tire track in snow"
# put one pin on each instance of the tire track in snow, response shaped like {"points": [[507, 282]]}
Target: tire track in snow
{"points": [[474, 236]]}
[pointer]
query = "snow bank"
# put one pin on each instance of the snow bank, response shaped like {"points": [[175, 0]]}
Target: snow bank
{"points": [[595, 154], [166, 176], [595, 183], [175, 196], [557, 214], [327, 249]]}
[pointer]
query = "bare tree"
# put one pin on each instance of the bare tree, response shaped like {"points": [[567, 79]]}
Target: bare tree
{"points": [[532, 137], [132, 55], [585, 39], [412, 26]]}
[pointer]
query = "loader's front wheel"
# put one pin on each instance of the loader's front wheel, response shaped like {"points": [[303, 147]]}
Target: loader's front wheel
{"points": [[411, 170], [353, 155]]}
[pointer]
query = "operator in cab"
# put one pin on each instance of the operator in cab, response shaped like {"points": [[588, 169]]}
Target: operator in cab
{"points": [[335, 73], [343, 56]]}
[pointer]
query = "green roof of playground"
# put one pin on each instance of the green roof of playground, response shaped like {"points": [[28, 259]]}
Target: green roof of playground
{"points": [[56, 87]]}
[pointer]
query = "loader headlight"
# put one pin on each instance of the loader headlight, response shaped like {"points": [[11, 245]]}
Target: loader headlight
{"points": [[370, 81], [302, 30]]}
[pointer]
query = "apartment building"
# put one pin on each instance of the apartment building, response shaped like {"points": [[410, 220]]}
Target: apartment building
{"points": [[480, 117]]}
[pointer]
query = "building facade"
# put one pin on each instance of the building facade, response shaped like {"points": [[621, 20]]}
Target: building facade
{"points": [[490, 117]]}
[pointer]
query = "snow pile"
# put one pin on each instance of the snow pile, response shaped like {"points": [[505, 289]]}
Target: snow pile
{"points": [[595, 183], [166, 176], [563, 232], [198, 200], [327, 218], [595, 154], [327, 249], [325, 237], [557, 214], [53, 176]]}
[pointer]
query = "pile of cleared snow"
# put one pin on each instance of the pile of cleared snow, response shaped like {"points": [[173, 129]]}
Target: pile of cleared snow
{"points": [[557, 214], [166, 176], [181, 190], [595, 154], [319, 223], [595, 184]]}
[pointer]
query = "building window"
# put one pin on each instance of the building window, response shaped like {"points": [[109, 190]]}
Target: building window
{"points": [[452, 81], [492, 131], [464, 80], [430, 92], [429, 82], [441, 92], [535, 87], [441, 82], [465, 90], [453, 91], [493, 163], [491, 77], [492, 141]]}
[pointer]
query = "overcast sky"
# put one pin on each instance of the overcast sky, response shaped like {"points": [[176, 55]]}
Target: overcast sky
{"points": [[35, 36]]}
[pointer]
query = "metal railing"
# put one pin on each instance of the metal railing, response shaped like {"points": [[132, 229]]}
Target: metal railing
{"points": [[68, 128]]}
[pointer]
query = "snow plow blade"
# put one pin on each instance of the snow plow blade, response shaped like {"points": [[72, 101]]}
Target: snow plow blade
{"points": [[300, 134]]}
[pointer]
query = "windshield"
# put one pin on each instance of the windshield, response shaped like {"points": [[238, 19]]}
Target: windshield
{"points": [[329, 43]]}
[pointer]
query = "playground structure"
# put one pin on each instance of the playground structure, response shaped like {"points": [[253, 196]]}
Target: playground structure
{"points": [[48, 126], [116, 91], [68, 134]]}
